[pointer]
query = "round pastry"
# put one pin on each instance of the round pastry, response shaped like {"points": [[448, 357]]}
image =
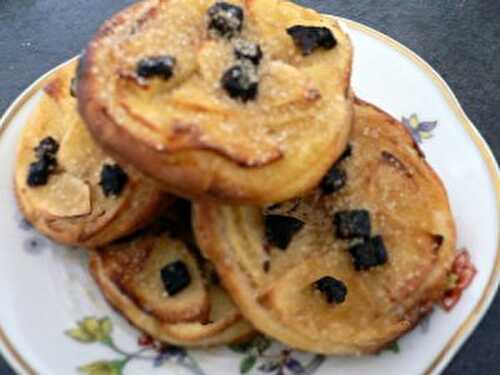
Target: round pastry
{"points": [[163, 286], [66, 186], [227, 100], [350, 267]]}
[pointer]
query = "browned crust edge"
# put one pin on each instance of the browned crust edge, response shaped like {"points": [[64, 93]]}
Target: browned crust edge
{"points": [[217, 334], [396, 123], [186, 180]]}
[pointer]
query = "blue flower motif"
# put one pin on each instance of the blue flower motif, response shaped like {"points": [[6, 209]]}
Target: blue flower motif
{"points": [[419, 130], [270, 366], [25, 225], [283, 364], [34, 245], [261, 354], [294, 366], [167, 353]]}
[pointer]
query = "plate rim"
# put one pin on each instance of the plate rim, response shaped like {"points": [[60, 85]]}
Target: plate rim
{"points": [[442, 359]]}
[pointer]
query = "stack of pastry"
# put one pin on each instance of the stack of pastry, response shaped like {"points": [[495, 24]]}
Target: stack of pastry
{"points": [[226, 179]]}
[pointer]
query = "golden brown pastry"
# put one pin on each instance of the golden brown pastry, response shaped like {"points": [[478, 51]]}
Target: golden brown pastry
{"points": [[162, 285], [66, 186], [350, 267], [229, 100]]}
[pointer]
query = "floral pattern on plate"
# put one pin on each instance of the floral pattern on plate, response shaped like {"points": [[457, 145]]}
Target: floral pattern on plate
{"points": [[92, 330], [420, 130]]}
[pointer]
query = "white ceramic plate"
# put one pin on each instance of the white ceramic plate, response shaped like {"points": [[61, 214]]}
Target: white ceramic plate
{"points": [[46, 290]]}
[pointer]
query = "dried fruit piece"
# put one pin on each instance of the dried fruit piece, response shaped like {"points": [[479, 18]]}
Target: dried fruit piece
{"points": [[334, 290], [47, 147], [309, 38], [369, 254], [244, 49], [334, 180], [280, 229], [224, 19], [241, 82], [40, 170], [175, 277], [160, 66], [352, 224], [113, 179]]}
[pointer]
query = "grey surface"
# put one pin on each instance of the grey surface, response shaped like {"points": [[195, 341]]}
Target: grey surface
{"points": [[459, 38]]}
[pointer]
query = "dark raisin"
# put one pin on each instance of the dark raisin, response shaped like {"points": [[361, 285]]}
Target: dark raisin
{"points": [[280, 229], [334, 180], [40, 170], [47, 147], [241, 82], [369, 254], [438, 240], [352, 224], [113, 179], [308, 38], [160, 66], [243, 49], [175, 277], [334, 290], [225, 19]]}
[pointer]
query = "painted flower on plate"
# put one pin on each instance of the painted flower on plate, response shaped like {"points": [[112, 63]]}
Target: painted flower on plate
{"points": [[419, 130]]}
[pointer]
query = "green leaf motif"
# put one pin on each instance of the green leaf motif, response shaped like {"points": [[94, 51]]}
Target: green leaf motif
{"points": [[91, 330], [79, 334], [104, 368], [247, 364], [262, 343], [237, 348], [394, 347], [106, 326], [242, 348]]}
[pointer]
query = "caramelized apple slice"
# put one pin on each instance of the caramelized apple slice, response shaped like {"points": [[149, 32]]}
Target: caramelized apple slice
{"points": [[63, 196]]}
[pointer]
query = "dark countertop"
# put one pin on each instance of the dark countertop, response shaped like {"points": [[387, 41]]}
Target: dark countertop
{"points": [[459, 38]]}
